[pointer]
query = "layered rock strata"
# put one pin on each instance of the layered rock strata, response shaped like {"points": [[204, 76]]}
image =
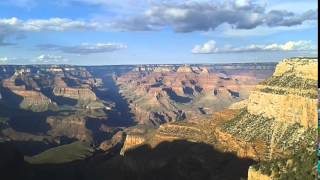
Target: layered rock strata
{"points": [[23, 98]]}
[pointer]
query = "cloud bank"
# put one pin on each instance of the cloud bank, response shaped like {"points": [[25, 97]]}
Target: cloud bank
{"points": [[211, 48], [49, 59], [206, 16], [181, 17], [84, 48]]}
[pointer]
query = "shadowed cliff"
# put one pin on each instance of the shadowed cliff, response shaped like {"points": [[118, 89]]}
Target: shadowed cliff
{"points": [[172, 160], [176, 160]]}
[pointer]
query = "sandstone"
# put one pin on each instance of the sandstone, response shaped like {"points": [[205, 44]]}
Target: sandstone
{"points": [[286, 108], [82, 94], [257, 175], [72, 126], [239, 105], [302, 67], [283, 114], [26, 99], [132, 141], [286, 104], [156, 97], [117, 139], [184, 69], [241, 148]]}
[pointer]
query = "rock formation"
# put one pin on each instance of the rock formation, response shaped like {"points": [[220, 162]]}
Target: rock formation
{"points": [[132, 141], [185, 92], [20, 97], [116, 140], [73, 127], [281, 117], [81, 94], [253, 174], [276, 126]]}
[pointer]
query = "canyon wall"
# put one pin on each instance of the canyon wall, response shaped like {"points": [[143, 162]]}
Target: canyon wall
{"points": [[168, 93], [278, 120], [132, 141], [288, 108], [71, 126], [20, 97], [81, 94]]}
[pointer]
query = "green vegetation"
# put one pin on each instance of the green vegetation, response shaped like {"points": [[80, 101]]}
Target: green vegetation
{"points": [[291, 81], [283, 92], [274, 91], [249, 127], [62, 154], [300, 164], [3, 120], [28, 105]]}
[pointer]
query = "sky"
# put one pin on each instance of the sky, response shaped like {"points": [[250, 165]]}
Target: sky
{"points": [[111, 32]]}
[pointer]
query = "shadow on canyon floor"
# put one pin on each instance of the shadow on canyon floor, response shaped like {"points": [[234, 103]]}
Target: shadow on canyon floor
{"points": [[121, 115], [177, 160]]}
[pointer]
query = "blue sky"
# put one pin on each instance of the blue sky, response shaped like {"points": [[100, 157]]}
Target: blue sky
{"points": [[103, 32]]}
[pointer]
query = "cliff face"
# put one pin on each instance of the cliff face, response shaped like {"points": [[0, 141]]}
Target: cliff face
{"points": [[257, 175], [290, 95], [81, 94], [71, 88], [131, 142], [285, 105], [301, 67], [26, 99], [288, 108], [71, 126], [276, 126]]}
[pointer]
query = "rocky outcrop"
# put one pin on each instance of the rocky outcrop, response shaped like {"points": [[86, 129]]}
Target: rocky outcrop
{"points": [[74, 88], [243, 149], [276, 123], [81, 94], [184, 69], [288, 108], [290, 95], [25, 99], [239, 105], [253, 174], [301, 67], [281, 115], [72, 126], [116, 140], [190, 92], [132, 141]]}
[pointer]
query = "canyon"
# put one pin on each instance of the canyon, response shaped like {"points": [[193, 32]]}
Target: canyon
{"points": [[193, 121]]}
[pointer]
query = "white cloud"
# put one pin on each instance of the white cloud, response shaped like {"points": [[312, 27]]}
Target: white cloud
{"points": [[210, 47], [52, 24], [243, 18], [14, 27], [49, 59], [291, 46], [243, 3], [182, 17], [4, 60], [206, 48]]}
